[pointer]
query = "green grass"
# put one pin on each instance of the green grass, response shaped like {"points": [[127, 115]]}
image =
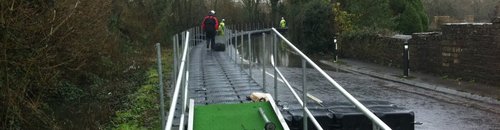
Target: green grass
{"points": [[233, 116], [142, 111]]}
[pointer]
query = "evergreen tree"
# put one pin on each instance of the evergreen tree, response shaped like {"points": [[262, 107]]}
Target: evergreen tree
{"points": [[409, 21], [409, 16], [317, 26], [370, 14]]}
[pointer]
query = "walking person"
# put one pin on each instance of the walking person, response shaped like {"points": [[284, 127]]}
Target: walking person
{"points": [[210, 25], [283, 23], [222, 28]]}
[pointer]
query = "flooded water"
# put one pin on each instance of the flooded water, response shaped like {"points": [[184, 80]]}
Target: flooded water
{"points": [[263, 45], [436, 111]]}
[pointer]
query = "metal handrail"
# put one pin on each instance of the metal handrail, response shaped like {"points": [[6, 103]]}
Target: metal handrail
{"points": [[313, 119], [183, 72], [353, 100], [309, 114], [178, 82]]}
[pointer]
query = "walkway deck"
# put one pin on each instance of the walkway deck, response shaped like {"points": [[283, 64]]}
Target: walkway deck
{"points": [[215, 79]]}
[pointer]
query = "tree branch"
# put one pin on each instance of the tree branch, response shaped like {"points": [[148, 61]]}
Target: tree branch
{"points": [[64, 21]]}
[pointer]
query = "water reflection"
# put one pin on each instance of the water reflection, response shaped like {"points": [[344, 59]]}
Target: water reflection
{"points": [[262, 49]]}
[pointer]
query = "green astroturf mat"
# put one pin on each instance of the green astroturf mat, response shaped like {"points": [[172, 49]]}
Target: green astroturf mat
{"points": [[243, 116]]}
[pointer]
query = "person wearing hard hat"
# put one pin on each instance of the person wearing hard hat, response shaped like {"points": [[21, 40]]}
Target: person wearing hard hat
{"points": [[210, 25], [283, 23], [222, 27]]}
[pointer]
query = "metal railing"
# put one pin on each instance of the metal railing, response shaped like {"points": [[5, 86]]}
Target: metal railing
{"points": [[376, 121], [181, 74], [239, 58], [307, 113], [235, 38]]}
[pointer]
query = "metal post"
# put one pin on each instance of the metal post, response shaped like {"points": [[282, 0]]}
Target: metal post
{"points": [[235, 44], [179, 41], [263, 60], [406, 59], [226, 42], [241, 54], [230, 40], [197, 34], [183, 83], [275, 55], [160, 75], [184, 88], [188, 57], [193, 35], [336, 49], [175, 57], [249, 56], [304, 93], [236, 53]]}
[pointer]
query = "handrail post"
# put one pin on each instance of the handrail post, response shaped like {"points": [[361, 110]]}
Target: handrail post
{"points": [[249, 57], [304, 93], [235, 45], [230, 40], [184, 39], [175, 57], [275, 59], [188, 61], [263, 60], [226, 42], [160, 76], [197, 34], [241, 54]]}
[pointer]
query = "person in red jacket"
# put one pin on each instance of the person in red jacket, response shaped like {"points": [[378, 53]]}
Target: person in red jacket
{"points": [[210, 25]]}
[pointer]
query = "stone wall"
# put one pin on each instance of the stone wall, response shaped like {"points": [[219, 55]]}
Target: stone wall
{"points": [[381, 50], [469, 52]]}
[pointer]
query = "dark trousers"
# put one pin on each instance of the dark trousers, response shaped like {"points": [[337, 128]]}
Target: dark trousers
{"points": [[210, 38]]}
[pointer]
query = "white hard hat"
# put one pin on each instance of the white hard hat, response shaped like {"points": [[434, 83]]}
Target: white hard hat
{"points": [[212, 12], [223, 20]]}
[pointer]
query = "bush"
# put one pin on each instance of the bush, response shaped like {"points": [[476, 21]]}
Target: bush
{"points": [[312, 27], [343, 20], [409, 16], [370, 14], [409, 21], [65, 64]]}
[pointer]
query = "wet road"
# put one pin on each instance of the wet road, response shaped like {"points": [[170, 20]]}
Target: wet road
{"points": [[437, 111]]}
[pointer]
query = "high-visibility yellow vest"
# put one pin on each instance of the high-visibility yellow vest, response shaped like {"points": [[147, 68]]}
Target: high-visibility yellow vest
{"points": [[283, 23], [221, 28]]}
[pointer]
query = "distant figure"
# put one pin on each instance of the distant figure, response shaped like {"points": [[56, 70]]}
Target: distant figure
{"points": [[210, 25], [283, 23], [222, 28]]}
